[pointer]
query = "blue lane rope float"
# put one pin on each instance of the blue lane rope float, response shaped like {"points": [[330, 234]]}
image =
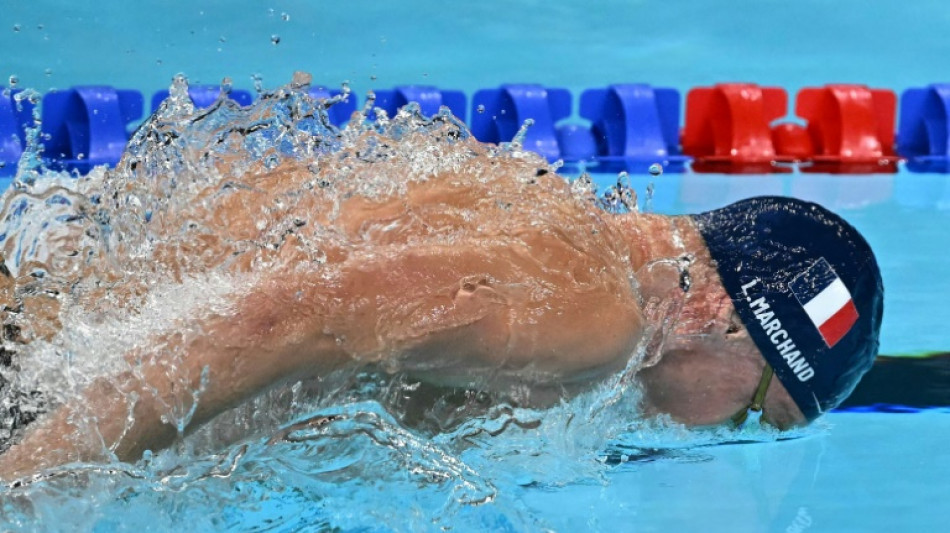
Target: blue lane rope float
{"points": [[87, 126], [634, 126], [16, 114], [500, 113], [923, 136]]}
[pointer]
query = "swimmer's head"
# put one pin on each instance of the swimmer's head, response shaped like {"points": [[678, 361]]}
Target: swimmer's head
{"points": [[807, 288]]}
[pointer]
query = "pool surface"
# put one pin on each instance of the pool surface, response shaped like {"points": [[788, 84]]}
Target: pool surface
{"points": [[879, 465]]}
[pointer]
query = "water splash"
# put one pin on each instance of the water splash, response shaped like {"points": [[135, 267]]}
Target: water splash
{"points": [[203, 202]]}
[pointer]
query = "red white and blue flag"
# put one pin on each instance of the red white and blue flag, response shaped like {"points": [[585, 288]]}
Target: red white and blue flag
{"points": [[826, 300]]}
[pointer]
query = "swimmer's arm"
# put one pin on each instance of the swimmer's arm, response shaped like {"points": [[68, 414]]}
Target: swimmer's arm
{"points": [[265, 340], [444, 314]]}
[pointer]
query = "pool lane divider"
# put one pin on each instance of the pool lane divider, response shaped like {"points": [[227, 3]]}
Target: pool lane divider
{"points": [[500, 114], [16, 114], [923, 136], [632, 127], [84, 127], [727, 127]]}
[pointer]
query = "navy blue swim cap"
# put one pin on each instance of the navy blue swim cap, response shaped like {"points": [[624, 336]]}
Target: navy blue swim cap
{"points": [[807, 288]]}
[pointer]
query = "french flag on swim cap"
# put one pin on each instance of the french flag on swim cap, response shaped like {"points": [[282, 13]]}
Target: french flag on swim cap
{"points": [[826, 300]]}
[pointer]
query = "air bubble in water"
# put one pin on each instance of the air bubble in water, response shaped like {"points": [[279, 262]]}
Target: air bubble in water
{"points": [[655, 169], [275, 39]]}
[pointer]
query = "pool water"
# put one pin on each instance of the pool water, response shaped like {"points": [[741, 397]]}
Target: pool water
{"points": [[860, 474], [853, 471]]}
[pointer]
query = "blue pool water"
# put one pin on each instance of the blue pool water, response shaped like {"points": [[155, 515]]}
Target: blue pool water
{"points": [[855, 471]]}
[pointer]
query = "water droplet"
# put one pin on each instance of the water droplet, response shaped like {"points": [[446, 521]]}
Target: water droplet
{"points": [[30, 96], [222, 39], [655, 169], [48, 72], [301, 80], [16, 27], [158, 61], [285, 17], [623, 183], [372, 77], [275, 39], [39, 26], [480, 109], [14, 80], [518, 141]]}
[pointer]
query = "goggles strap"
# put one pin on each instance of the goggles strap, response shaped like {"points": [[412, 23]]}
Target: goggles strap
{"points": [[757, 400]]}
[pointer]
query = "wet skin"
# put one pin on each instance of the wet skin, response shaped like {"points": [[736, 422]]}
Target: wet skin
{"points": [[455, 281]]}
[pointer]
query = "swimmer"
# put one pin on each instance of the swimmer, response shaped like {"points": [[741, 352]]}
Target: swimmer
{"points": [[456, 282]]}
